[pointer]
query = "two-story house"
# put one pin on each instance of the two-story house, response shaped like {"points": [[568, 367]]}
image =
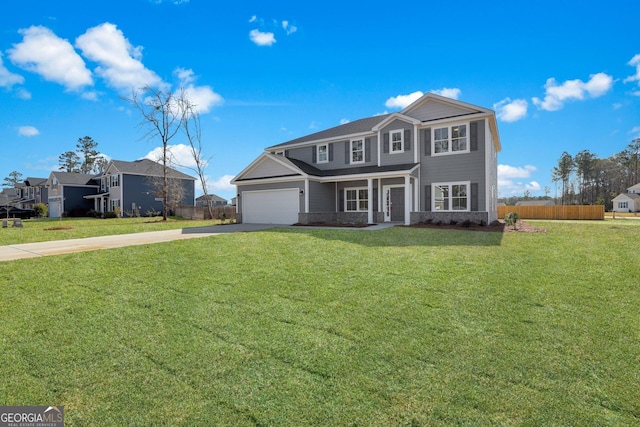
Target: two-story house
{"points": [[33, 191], [436, 159], [629, 201], [124, 187]]}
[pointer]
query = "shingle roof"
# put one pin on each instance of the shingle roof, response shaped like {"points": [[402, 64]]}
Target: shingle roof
{"points": [[33, 182], [354, 127], [147, 167], [74, 178], [311, 170], [212, 197]]}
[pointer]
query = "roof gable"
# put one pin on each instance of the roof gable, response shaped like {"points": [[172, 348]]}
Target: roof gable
{"points": [[74, 178], [144, 167], [435, 107], [268, 166]]}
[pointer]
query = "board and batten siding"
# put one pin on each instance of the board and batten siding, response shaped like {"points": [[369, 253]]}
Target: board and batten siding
{"points": [[454, 167], [340, 154], [270, 186], [407, 156], [322, 197]]}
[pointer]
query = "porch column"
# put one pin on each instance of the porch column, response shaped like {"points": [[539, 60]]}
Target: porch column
{"points": [[407, 199], [416, 195], [370, 203], [306, 196]]}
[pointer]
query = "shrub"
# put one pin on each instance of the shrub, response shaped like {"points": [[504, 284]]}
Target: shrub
{"points": [[41, 210], [94, 214], [466, 223], [110, 215], [453, 222], [512, 219]]}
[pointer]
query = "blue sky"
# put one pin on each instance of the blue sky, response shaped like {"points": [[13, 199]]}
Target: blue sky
{"points": [[562, 76]]}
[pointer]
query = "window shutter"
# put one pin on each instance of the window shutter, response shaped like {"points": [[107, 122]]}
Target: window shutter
{"points": [[331, 152], [367, 149], [427, 198], [286, 153], [474, 136], [385, 146], [474, 197], [340, 200], [314, 154], [427, 142], [407, 140], [347, 152]]}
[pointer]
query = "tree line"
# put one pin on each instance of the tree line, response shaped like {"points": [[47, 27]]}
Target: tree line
{"points": [[586, 179]]}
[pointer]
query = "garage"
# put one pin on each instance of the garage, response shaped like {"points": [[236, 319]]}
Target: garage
{"points": [[270, 206]]}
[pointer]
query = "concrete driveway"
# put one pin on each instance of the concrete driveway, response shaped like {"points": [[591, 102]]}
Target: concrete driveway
{"points": [[58, 247]]}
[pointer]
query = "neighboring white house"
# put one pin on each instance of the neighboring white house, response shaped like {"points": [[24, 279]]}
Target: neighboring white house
{"points": [[629, 201]]}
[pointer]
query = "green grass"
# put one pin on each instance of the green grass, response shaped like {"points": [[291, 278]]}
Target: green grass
{"points": [[333, 327], [44, 230]]}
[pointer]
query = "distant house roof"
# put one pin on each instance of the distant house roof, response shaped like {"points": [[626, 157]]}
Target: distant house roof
{"points": [[212, 197], [35, 182], [75, 178], [146, 167], [634, 188], [633, 196], [536, 203]]}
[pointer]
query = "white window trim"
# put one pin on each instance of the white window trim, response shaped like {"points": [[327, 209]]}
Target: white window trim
{"points": [[449, 152], [364, 148], [357, 190], [326, 153], [450, 184], [391, 132]]}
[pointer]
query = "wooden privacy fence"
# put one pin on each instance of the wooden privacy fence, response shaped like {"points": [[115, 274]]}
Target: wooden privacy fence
{"points": [[201, 212], [554, 212]]}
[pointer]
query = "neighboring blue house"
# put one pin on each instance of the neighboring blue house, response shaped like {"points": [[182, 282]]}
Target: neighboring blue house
{"points": [[436, 159], [124, 187]]}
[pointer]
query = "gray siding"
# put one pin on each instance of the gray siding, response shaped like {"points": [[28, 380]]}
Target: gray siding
{"points": [[141, 191], [389, 158], [352, 184], [273, 186], [322, 197], [456, 167], [437, 110], [74, 201], [338, 150]]}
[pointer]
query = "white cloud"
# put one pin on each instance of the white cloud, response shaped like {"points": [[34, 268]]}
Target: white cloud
{"points": [[557, 94], [402, 101], [221, 184], [289, 29], [7, 78], [635, 62], [511, 111], [509, 180], [22, 93], [203, 98], [344, 121], [179, 155], [120, 62], [90, 95], [254, 18], [28, 131], [452, 93], [53, 58], [313, 125], [262, 39]]}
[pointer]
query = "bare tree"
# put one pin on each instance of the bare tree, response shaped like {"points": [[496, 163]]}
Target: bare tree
{"points": [[192, 130], [162, 117]]}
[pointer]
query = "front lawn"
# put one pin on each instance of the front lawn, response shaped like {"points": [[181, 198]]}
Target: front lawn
{"points": [[333, 327]]}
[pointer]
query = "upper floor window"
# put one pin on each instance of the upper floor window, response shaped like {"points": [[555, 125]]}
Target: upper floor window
{"points": [[450, 140], [397, 141], [357, 151], [114, 180], [279, 153], [453, 196], [323, 153]]}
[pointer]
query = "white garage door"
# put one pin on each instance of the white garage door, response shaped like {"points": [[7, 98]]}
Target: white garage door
{"points": [[270, 206]]}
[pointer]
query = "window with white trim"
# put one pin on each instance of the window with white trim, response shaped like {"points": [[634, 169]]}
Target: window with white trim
{"points": [[322, 153], [357, 151], [115, 182], [451, 196], [623, 205], [396, 139], [114, 203], [450, 140], [356, 199]]}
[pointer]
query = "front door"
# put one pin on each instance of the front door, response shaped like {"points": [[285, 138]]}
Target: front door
{"points": [[393, 203]]}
